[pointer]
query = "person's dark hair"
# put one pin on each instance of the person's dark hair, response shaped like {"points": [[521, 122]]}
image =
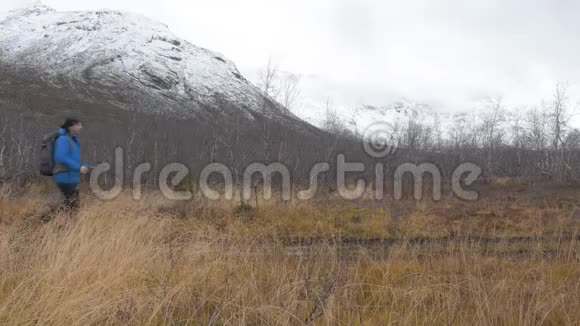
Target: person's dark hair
{"points": [[69, 122]]}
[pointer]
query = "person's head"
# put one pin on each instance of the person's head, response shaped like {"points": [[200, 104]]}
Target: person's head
{"points": [[72, 126]]}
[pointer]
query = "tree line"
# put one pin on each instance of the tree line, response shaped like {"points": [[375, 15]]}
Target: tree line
{"points": [[537, 144]]}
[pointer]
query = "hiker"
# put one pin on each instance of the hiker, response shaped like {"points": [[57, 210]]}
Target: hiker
{"points": [[67, 159]]}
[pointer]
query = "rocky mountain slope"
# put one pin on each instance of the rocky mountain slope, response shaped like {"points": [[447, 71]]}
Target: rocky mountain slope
{"points": [[124, 61]]}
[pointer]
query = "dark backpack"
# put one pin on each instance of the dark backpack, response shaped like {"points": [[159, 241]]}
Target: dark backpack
{"points": [[47, 165]]}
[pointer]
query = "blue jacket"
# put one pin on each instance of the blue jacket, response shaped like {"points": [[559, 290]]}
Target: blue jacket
{"points": [[68, 153]]}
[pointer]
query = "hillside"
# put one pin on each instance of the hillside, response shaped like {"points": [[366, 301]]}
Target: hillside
{"points": [[122, 61]]}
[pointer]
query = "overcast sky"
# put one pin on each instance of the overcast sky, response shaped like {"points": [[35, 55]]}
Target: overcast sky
{"points": [[449, 53]]}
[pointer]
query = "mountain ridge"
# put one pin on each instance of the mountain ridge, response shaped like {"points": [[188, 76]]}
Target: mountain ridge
{"points": [[128, 61]]}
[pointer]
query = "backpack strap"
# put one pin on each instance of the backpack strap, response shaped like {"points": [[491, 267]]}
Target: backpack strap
{"points": [[70, 142], [58, 168]]}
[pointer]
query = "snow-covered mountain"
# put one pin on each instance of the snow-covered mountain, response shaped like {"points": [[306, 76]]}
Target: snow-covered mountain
{"points": [[357, 118], [399, 111], [126, 60]]}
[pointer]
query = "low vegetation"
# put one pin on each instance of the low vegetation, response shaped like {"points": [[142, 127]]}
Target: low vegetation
{"points": [[511, 260]]}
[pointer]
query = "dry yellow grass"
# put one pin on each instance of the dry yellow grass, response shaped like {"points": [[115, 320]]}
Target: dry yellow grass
{"points": [[153, 263]]}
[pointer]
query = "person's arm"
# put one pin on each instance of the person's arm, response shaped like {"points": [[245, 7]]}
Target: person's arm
{"points": [[62, 155]]}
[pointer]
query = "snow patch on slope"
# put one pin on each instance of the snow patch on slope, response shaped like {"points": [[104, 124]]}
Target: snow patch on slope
{"points": [[357, 118], [114, 48]]}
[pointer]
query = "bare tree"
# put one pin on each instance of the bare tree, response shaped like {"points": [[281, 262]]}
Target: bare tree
{"points": [[437, 133], [457, 133], [572, 140], [535, 129], [267, 80], [271, 91], [492, 131], [559, 115], [289, 91], [332, 122]]}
